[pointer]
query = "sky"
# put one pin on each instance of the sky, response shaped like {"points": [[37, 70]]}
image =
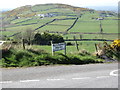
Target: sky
{"points": [[11, 4]]}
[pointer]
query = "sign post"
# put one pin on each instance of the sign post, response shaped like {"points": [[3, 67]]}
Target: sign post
{"points": [[58, 47]]}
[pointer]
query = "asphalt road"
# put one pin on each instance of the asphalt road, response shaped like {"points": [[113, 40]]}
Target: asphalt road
{"points": [[65, 76]]}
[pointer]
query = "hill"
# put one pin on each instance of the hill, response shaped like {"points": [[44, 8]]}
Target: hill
{"points": [[55, 18], [28, 10]]}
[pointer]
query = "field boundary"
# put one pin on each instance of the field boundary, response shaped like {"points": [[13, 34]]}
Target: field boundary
{"points": [[88, 40], [44, 24], [53, 21], [73, 24], [84, 33], [22, 21]]}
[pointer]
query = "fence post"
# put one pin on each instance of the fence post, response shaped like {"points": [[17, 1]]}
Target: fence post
{"points": [[52, 48], [66, 38], [96, 47], [101, 29], [23, 40], [65, 49], [76, 44], [80, 36]]}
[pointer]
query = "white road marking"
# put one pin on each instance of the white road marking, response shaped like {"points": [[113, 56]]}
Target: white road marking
{"points": [[29, 80], [5, 82], [102, 76], [55, 79], [112, 73], [81, 78]]}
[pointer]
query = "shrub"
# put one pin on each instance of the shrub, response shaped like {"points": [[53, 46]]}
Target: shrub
{"points": [[27, 58], [37, 51], [8, 53], [69, 44], [46, 38], [25, 62], [112, 50], [83, 53], [9, 61], [21, 54]]}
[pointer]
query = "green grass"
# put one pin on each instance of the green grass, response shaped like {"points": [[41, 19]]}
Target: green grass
{"points": [[33, 57], [42, 7], [60, 10], [84, 24], [87, 16], [85, 27], [109, 26], [19, 20], [91, 36], [22, 28], [63, 22], [83, 45], [54, 28]]}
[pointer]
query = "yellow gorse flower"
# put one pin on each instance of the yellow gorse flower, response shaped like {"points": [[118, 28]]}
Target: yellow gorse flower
{"points": [[116, 43]]}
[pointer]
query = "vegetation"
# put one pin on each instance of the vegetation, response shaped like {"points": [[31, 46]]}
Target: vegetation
{"points": [[46, 38], [35, 25], [28, 17], [109, 51], [113, 50], [32, 57]]}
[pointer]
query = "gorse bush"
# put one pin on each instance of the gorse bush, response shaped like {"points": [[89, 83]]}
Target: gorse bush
{"points": [[112, 50], [31, 57]]}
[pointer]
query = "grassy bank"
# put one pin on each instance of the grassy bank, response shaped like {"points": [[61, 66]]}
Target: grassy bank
{"points": [[38, 57]]}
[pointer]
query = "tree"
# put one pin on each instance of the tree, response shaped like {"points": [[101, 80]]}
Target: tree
{"points": [[28, 36], [37, 39], [46, 38], [57, 38], [18, 37]]}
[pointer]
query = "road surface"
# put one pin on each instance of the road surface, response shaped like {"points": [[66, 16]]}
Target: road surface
{"points": [[65, 76]]}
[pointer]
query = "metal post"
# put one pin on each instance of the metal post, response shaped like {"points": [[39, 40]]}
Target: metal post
{"points": [[52, 48], [65, 49]]}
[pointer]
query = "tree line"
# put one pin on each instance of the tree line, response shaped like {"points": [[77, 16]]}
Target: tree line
{"points": [[30, 38], [46, 38]]}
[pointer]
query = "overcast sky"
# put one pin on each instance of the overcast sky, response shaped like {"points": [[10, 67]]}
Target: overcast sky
{"points": [[11, 4]]}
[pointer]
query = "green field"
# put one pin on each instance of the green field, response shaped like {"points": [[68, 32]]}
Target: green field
{"points": [[83, 45], [86, 23]]}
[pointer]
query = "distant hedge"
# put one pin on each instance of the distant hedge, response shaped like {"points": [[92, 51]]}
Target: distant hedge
{"points": [[46, 38]]}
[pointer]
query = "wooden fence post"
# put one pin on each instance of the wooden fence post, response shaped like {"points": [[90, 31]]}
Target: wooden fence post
{"points": [[80, 36], [23, 40], [66, 38], [76, 44], [101, 29], [96, 47]]}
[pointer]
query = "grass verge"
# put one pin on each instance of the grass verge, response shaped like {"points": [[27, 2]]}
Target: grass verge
{"points": [[38, 57]]}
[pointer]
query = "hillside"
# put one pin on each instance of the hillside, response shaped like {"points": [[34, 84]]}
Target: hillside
{"points": [[28, 10], [56, 18]]}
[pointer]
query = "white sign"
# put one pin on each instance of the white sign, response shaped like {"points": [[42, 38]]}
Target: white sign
{"points": [[59, 46]]}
